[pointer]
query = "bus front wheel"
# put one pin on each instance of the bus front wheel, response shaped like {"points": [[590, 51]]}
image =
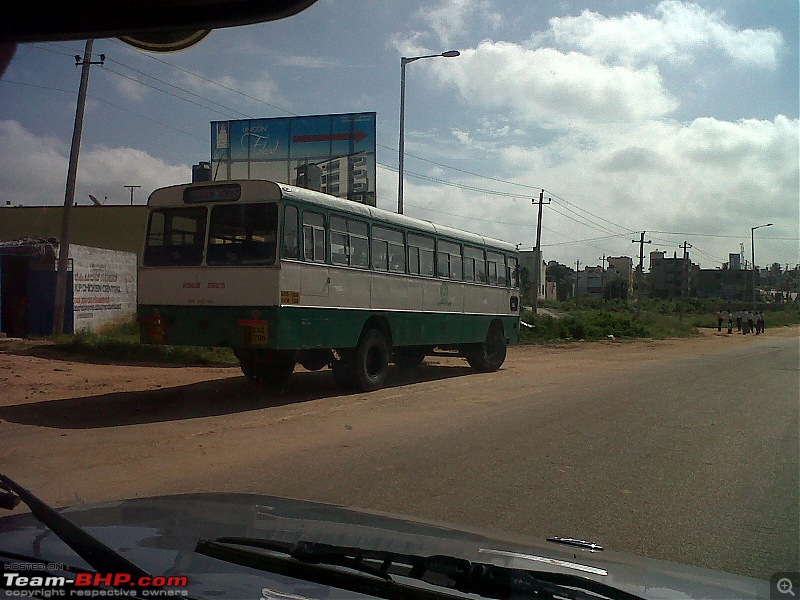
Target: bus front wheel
{"points": [[371, 364], [489, 355]]}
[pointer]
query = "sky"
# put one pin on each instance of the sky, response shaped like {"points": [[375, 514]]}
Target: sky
{"points": [[675, 118]]}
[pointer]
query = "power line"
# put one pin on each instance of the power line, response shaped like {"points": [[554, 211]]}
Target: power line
{"points": [[185, 91], [108, 102], [566, 203]]}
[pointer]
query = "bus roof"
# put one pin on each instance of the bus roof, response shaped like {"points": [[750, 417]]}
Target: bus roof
{"points": [[391, 218], [272, 191]]}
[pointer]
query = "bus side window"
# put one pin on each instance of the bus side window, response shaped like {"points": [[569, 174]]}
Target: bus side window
{"points": [[388, 250], [314, 237], [497, 268], [380, 254], [338, 241], [359, 244], [449, 260], [512, 272], [421, 255], [474, 264], [291, 242]]}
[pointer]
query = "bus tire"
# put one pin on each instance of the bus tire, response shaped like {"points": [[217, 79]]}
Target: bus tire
{"points": [[410, 357], [371, 364], [489, 355], [280, 370], [249, 369]]}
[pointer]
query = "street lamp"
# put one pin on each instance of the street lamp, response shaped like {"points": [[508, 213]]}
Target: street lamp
{"points": [[753, 257], [403, 62]]}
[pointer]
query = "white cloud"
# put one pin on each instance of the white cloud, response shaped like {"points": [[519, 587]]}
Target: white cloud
{"points": [[447, 23], [230, 91], [130, 90], [680, 31], [33, 170], [704, 176], [553, 89], [452, 18]]}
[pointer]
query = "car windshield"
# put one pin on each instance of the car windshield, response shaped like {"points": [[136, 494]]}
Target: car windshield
{"points": [[502, 266]]}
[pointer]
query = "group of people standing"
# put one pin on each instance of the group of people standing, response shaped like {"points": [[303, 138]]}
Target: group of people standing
{"points": [[746, 321]]}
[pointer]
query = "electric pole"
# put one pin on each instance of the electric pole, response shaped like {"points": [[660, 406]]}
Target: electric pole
{"points": [[69, 196], [577, 275], [131, 188], [602, 275], [538, 253], [685, 278], [639, 273]]}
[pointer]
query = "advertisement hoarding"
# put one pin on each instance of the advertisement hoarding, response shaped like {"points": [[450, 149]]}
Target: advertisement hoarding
{"points": [[334, 154]]}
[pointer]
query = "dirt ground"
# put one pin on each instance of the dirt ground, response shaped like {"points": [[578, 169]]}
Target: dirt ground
{"points": [[33, 372]]}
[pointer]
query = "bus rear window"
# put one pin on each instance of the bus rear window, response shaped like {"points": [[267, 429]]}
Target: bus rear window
{"points": [[175, 237], [243, 234]]}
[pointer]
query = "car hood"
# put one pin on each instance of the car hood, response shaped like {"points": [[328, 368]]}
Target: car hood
{"points": [[159, 534]]}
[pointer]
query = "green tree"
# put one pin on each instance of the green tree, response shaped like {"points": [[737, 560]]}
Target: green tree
{"points": [[616, 288]]}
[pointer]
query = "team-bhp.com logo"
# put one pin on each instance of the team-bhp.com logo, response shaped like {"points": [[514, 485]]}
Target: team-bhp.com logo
{"points": [[94, 585]]}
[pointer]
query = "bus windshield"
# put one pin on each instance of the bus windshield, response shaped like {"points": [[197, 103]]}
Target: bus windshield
{"points": [[175, 237], [243, 234]]}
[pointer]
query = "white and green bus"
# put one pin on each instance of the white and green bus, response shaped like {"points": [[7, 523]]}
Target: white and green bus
{"points": [[285, 275]]}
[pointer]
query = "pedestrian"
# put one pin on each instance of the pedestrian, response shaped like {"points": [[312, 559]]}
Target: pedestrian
{"points": [[760, 321], [730, 322], [744, 322], [750, 321], [719, 319], [739, 314]]}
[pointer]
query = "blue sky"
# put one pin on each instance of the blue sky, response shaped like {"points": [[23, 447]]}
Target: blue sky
{"points": [[678, 118]]}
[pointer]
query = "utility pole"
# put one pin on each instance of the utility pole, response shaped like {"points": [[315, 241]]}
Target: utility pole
{"points": [[577, 274], [639, 273], [131, 188], [685, 278], [69, 196], [538, 253], [602, 275]]}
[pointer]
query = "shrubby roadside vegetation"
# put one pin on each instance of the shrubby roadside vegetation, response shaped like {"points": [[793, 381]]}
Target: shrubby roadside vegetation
{"points": [[597, 319]]}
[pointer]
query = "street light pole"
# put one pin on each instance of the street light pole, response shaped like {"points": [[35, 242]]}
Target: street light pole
{"points": [[753, 256], [403, 62]]}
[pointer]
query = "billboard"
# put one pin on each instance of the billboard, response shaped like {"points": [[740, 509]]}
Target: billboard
{"points": [[334, 154]]}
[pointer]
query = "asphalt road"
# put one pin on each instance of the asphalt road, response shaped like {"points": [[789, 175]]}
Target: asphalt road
{"points": [[688, 453]]}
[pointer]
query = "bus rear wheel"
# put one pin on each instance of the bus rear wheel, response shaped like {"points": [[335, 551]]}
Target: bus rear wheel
{"points": [[490, 354], [371, 361]]}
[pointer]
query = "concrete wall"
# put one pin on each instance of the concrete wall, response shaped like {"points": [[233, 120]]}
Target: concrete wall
{"points": [[112, 227], [104, 287]]}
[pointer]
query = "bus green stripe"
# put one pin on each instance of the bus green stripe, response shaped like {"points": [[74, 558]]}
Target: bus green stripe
{"points": [[291, 327]]}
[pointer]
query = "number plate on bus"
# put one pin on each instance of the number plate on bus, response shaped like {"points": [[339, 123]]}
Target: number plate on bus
{"points": [[254, 332]]}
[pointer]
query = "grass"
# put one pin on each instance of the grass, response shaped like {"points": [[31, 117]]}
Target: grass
{"points": [[122, 344], [592, 319]]}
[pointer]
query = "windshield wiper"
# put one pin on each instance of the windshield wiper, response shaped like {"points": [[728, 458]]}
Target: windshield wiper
{"points": [[101, 558], [372, 571]]}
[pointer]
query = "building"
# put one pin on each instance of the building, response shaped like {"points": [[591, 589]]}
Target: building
{"points": [[729, 284], [101, 287], [112, 227], [735, 261], [620, 266], [343, 176], [670, 277], [590, 281], [527, 261]]}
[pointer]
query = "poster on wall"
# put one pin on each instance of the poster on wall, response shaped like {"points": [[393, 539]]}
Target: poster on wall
{"points": [[334, 154]]}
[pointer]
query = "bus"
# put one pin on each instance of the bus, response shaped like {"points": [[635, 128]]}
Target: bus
{"points": [[286, 275]]}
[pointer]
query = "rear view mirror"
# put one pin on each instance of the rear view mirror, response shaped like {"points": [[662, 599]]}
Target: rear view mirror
{"points": [[156, 25]]}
